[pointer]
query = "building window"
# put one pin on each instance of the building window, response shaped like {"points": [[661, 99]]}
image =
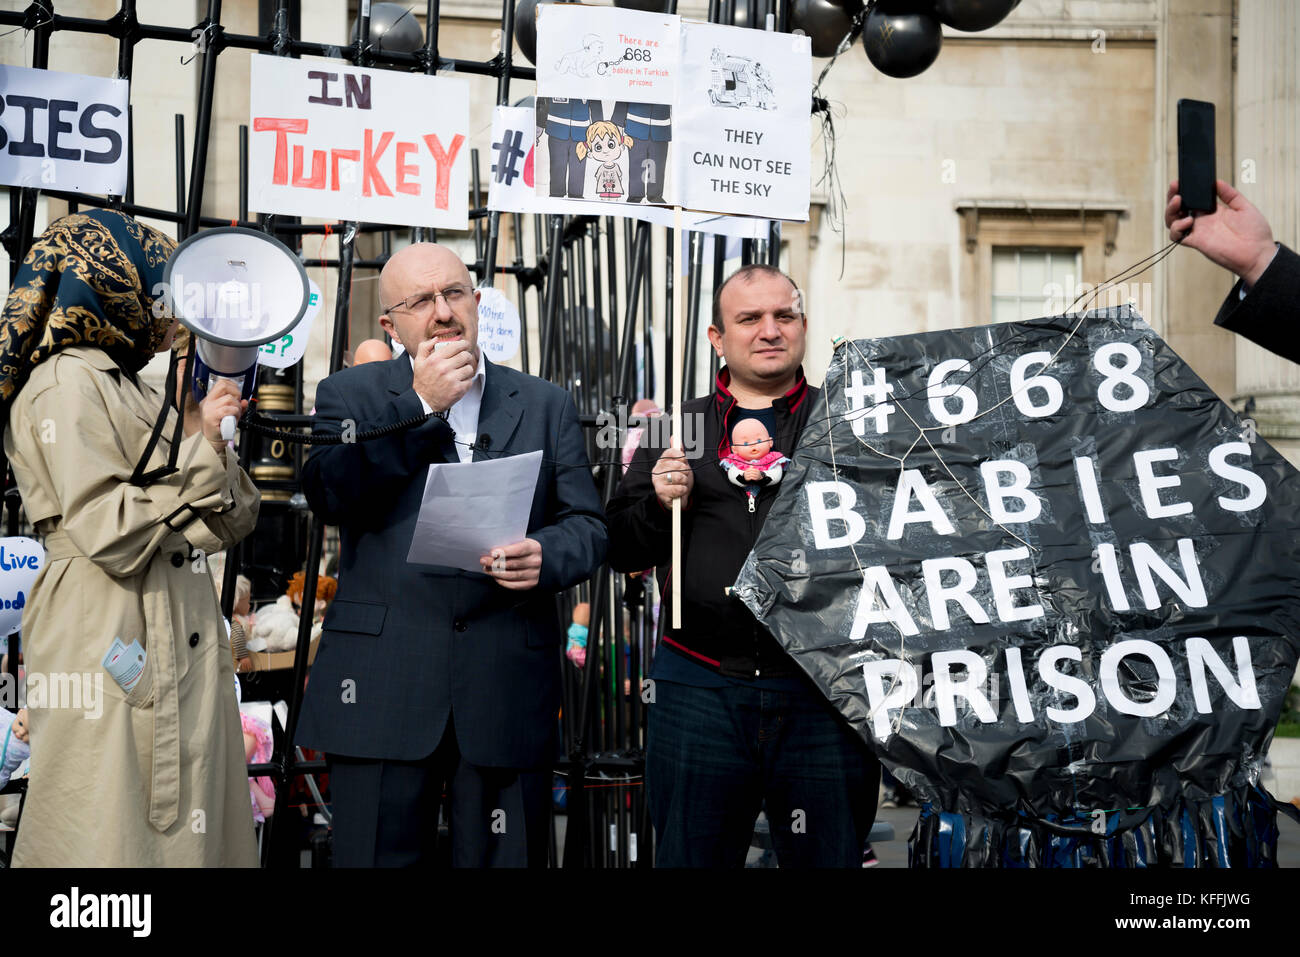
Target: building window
{"points": [[1038, 245], [1029, 282]]}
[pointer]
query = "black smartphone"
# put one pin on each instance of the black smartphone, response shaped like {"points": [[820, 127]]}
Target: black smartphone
{"points": [[1196, 156]]}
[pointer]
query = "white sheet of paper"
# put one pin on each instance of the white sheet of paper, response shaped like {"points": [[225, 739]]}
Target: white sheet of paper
{"points": [[470, 508]]}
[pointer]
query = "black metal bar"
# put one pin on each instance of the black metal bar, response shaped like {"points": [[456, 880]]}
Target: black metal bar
{"points": [[693, 313], [431, 37], [266, 44], [522, 287], [128, 23], [670, 341], [550, 319], [276, 845], [40, 61], [627, 355], [480, 258], [235, 555], [648, 345], [129, 195], [587, 387], [212, 46], [611, 250], [719, 264], [243, 171], [598, 319], [565, 345], [180, 163]]}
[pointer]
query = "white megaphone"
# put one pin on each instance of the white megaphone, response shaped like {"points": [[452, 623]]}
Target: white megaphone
{"points": [[235, 289]]}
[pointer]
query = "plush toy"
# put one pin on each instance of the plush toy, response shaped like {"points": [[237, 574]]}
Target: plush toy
{"points": [[576, 649], [14, 747], [276, 626], [752, 463]]}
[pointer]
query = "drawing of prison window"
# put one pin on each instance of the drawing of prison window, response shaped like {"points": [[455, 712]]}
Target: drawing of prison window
{"points": [[737, 81]]}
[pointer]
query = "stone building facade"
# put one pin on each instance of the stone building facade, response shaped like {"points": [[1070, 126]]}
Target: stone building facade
{"points": [[1028, 164]]}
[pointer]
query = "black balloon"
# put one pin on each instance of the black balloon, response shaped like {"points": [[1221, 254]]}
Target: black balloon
{"points": [[901, 44], [972, 15], [393, 29], [826, 22], [526, 27]]}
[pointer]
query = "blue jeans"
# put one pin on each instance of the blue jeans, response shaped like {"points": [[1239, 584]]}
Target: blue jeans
{"points": [[716, 756]]}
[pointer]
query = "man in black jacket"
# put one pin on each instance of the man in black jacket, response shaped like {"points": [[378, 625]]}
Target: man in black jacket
{"points": [[735, 726], [1263, 303]]}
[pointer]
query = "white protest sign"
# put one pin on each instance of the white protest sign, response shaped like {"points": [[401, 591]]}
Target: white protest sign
{"points": [[63, 131], [21, 560], [606, 53], [720, 122], [743, 131], [511, 180], [289, 348], [342, 142], [498, 325]]}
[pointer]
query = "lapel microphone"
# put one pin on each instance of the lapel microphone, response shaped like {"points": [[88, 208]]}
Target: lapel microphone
{"points": [[484, 441]]}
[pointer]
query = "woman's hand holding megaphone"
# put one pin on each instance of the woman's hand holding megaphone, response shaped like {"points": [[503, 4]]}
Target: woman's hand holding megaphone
{"points": [[222, 400]]}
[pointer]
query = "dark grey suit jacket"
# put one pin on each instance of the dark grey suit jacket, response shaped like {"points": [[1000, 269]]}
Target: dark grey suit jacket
{"points": [[404, 646], [1267, 316]]}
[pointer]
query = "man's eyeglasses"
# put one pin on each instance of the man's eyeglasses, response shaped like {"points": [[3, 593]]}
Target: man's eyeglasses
{"points": [[424, 301]]}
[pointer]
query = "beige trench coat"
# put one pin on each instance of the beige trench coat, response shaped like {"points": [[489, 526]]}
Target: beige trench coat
{"points": [[158, 777]]}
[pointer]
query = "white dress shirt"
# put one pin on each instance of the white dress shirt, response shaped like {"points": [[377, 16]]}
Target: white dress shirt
{"points": [[463, 416]]}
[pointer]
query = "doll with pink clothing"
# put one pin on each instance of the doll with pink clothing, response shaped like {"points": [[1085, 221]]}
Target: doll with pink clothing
{"points": [[752, 462]]}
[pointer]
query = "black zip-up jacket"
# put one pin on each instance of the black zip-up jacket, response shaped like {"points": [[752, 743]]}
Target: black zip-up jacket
{"points": [[718, 531]]}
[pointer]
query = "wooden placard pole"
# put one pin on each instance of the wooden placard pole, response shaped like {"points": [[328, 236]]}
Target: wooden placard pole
{"points": [[679, 338]]}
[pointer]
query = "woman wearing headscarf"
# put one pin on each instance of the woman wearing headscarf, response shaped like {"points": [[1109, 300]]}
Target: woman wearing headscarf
{"points": [[153, 776]]}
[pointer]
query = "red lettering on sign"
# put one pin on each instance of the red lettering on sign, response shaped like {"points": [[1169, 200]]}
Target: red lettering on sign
{"points": [[404, 171], [369, 165], [280, 127], [317, 180], [335, 156], [443, 159]]}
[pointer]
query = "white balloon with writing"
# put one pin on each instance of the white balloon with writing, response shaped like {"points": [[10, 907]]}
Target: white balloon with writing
{"points": [[498, 325], [289, 348], [21, 560]]}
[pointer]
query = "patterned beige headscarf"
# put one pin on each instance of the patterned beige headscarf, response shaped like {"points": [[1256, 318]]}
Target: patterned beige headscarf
{"points": [[90, 279]]}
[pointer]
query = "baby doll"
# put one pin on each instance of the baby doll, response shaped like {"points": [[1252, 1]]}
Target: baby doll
{"points": [[576, 647], [241, 625], [752, 463], [14, 747], [257, 750]]}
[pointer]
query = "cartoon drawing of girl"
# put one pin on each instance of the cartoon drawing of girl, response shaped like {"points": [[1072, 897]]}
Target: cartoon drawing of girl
{"points": [[606, 143]]}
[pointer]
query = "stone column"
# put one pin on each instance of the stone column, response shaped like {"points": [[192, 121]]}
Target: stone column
{"points": [[1268, 165], [1195, 63]]}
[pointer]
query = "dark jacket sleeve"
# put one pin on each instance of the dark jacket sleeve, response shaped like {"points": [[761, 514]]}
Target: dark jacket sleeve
{"points": [[347, 481], [575, 542], [1267, 315], [640, 528]]}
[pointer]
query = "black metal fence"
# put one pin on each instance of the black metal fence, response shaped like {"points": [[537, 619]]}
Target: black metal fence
{"points": [[592, 283]]}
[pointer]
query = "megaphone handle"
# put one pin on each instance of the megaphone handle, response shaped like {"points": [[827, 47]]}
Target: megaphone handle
{"points": [[228, 427]]}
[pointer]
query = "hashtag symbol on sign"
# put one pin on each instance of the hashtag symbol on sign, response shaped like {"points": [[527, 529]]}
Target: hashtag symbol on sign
{"points": [[508, 154]]}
